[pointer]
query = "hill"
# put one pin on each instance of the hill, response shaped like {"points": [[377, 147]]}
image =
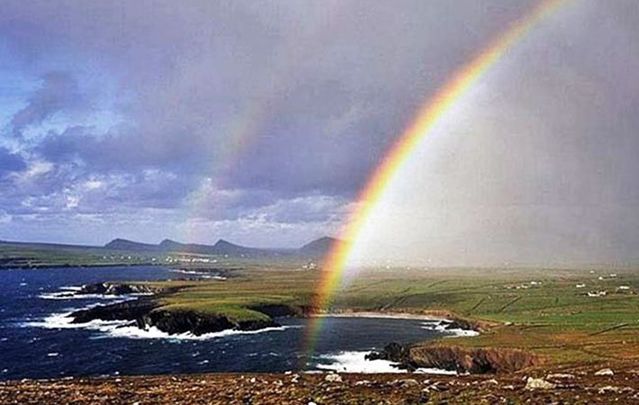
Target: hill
{"points": [[318, 247], [125, 244]]}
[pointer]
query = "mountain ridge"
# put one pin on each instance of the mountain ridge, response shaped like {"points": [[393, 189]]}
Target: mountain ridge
{"points": [[316, 247]]}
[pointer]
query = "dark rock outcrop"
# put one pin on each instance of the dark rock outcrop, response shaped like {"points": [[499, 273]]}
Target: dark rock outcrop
{"points": [[394, 352], [130, 310], [178, 321], [459, 323]]}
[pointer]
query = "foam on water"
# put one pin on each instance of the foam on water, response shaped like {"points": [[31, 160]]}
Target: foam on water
{"points": [[71, 288], [63, 320], [152, 332], [64, 295], [356, 362], [72, 293]]}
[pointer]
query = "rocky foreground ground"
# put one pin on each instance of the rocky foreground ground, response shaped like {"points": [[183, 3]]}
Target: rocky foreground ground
{"points": [[603, 386]]}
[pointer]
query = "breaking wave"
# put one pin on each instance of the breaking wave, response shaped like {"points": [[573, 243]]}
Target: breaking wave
{"points": [[356, 362], [441, 326]]}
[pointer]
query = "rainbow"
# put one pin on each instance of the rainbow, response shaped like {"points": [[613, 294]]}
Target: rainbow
{"points": [[334, 264]]}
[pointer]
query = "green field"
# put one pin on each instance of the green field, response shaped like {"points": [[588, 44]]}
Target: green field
{"points": [[538, 310]]}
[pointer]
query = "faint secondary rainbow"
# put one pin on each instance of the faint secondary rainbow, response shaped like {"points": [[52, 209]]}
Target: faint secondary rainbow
{"points": [[248, 125], [334, 264]]}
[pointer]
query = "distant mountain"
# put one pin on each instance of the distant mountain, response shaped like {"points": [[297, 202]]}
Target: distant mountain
{"points": [[168, 245], [125, 244], [318, 247], [312, 250], [225, 247], [221, 247]]}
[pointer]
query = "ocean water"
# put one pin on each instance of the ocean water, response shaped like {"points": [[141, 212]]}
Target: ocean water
{"points": [[37, 341]]}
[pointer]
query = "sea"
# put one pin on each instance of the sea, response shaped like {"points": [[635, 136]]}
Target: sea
{"points": [[38, 341]]}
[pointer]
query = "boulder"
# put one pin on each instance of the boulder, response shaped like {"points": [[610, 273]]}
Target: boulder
{"points": [[333, 378], [560, 376], [538, 384], [604, 372]]}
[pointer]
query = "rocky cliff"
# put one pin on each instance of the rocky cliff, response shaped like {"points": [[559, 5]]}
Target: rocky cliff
{"points": [[460, 359]]}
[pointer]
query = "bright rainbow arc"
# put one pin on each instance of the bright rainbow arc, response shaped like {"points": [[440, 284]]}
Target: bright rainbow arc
{"points": [[334, 264]]}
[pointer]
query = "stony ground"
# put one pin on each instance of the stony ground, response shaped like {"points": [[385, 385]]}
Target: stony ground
{"points": [[580, 386]]}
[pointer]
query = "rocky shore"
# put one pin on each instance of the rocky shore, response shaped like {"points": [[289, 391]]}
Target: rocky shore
{"points": [[460, 359], [582, 385], [118, 289]]}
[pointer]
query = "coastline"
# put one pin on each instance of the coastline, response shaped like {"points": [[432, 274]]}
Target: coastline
{"points": [[379, 315]]}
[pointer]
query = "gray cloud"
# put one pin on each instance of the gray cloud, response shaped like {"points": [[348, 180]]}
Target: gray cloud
{"points": [[58, 92]]}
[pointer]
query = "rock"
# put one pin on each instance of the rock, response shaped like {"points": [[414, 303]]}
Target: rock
{"points": [[560, 376], [392, 352], [610, 389], [538, 384], [605, 372], [438, 386], [491, 381], [333, 378], [409, 382]]}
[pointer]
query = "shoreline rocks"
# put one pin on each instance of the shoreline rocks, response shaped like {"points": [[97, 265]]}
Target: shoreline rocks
{"points": [[117, 289], [121, 311]]}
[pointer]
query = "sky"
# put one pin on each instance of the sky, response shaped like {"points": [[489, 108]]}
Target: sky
{"points": [[259, 122]]}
